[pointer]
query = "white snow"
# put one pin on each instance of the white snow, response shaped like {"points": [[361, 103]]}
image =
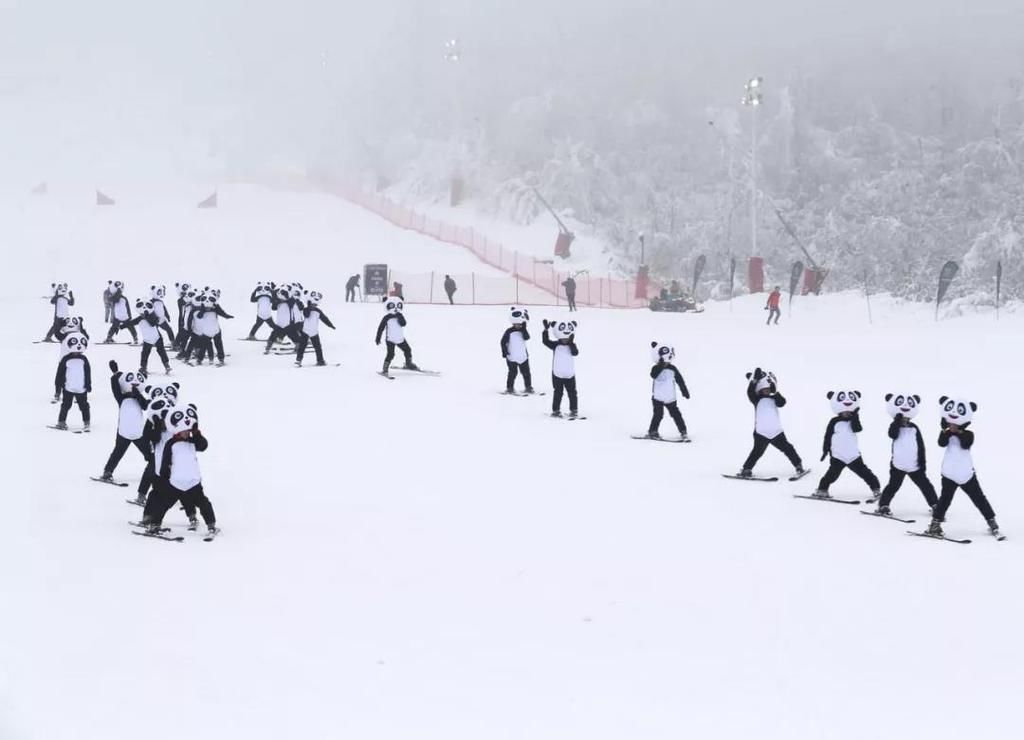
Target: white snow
{"points": [[424, 558]]}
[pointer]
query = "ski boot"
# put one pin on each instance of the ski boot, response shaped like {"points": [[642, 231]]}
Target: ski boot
{"points": [[107, 476], [411, 366], [61, 426], [653, 435], [745, 473], [556, 414], [530, 390], [193, 524], [799, 470], [321, 363], [883, 511], [875, 495], [684, 437], [935, 529], [821, 494], [140, 500], [992, 526], [167, 369], [385, 369], [85, 426], [151, 527], [298, 364], [212, 530], [574, 414]]}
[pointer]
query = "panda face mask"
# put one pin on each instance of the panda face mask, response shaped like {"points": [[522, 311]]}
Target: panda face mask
{"points": [[183, 419], [314, 298], [662, 352], [394, 306], [76, 343], [563, 330], [844, 402], [902, 404], [957, 411], [518, 316], [130, 381]]}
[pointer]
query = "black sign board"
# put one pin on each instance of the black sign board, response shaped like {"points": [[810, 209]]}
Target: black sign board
{"points": [[375, 279]]}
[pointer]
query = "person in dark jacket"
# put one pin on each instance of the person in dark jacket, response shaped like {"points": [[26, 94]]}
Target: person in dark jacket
{"points": [[350, 289], [570, 292], [450, 288]]}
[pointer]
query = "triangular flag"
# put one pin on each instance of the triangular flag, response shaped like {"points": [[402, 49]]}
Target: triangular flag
{"points": [[210, 202], [103, 200], [40, 189]]}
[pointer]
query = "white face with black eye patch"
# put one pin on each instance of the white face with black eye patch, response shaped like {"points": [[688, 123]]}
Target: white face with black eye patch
{"points": [[75, 343], [182, 419], [518, 315], [903, 404], [957, 411], [394, 306], [663, 352], [844, 402], [563, 329]]}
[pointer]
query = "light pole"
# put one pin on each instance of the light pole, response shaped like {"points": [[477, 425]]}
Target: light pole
{"points": [[453, 55], [752, 98], [641, 235]]}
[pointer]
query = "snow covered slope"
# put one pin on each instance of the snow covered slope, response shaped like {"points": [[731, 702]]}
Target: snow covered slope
{"points": [[424, 558]]}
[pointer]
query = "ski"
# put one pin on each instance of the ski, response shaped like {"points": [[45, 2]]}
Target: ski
{"points": [[143, 526], [521, 394], [164, 537], [566, 417], [326, 364], [431, 373], [675, 440], [80, 431], [385, 375], [887, 516], [828, 498], [121, 344], [937, 537], [999, 537], [798, 476], [211, 536], [763, 479], [110, 482], [135, 502], [44, 341]]}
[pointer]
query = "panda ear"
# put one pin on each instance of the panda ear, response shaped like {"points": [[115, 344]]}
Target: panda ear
{"points": [[653, 345], [176, 385], [943, 399], [888, 397], [974, 406], [858, 394], [749, 376], [829, 395], [917, 398]]}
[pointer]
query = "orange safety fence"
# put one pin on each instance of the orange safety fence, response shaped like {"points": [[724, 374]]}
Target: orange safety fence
{"points": [[529, 280]]}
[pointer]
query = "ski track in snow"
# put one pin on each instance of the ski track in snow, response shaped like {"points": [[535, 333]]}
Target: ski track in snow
{"points": [[428, 559]]}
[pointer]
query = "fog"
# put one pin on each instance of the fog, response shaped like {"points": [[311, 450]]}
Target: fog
{"points": [[114, 89]]}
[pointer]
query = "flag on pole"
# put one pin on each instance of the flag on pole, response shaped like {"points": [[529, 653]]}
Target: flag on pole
{"points": [[949, 271], [732, 275], [999, 284], [102, 199], [210, 202], [698, 268], [795, 274]]}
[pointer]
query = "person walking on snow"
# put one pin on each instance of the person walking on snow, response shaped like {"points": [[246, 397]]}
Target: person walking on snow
{"points": [[570, 291], [772, 306], [450, 288]]}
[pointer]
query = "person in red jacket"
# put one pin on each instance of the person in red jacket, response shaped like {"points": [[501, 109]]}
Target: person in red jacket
{"points": [[772, 307]]}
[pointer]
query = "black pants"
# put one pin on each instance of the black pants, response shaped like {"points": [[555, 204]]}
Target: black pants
{"points": [[920, 479], [218, 343], [973, 490], [773, 312], [451, 297], [170, 332], [82, 399], [659, 413], [514, 368], [55, 328], [350, 295], [120, 447], [163, 497], [116, 326], [148, 478], [182, 342], [301, 349], [857, 466], [201, 347], [260, 322], [390, 355], [779, 442], [564, 385], [161, 352], [571, 298], [107, 311], [290, 332]]}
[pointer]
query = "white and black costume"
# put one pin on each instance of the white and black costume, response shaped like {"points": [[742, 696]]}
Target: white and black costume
{"points": [[665, 377], [262, 296], [282, 328], [763, 393], [310, 332], [120, 314], [908, 452], [841, 445], [957, 463], [157, 293], [392, 329], [563, 363], [514, 352], [149, 326], [62, 300], [185, 296], [159, 399], [130, 422], [74, 379]]}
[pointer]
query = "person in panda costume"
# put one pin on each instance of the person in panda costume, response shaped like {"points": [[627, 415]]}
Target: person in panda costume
{"points": [[73, 381], [261, 296], [62, 299], [204, 326], [71, 325], [665, 377], [120, 315], [178, 476], [195, 340], [958, 465], [281, 326], [184, 304], [297, 312], [149, 322], [763, 393], [392, 329], [313, 316], [563, 363], [126, 388], [214, 314], [908, 451], [514, 352], [840, 444], [157, 400], [157, 294]]}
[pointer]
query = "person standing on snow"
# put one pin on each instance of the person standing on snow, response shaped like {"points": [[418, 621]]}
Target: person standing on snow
{"points": [[570, 291], [450, 288], [350, 289], [772, 306]]}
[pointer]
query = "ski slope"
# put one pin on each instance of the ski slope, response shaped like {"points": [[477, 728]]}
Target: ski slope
{"points": [[424, 558]]}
